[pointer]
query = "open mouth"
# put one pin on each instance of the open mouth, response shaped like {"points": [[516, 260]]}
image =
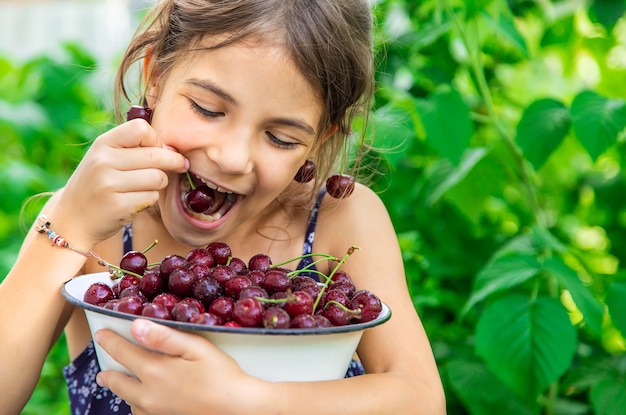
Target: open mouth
{"points": [[204, 200]]}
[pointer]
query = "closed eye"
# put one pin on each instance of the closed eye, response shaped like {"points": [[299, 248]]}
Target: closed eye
{"points": [[280, 143], [203, 111]]}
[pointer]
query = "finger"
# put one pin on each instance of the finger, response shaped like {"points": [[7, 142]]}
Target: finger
{"points": [[148, 179], [134, 133], [120, 383], [169, 341], [150, 157]]}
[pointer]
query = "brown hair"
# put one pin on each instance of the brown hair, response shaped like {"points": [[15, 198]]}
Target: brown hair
{"points": [[330, 42]]}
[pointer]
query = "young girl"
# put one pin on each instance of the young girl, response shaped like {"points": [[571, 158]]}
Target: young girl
{"points": [[243, 93]]}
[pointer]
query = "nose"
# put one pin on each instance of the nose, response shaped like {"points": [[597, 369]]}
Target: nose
{"points": [[232, 152]]}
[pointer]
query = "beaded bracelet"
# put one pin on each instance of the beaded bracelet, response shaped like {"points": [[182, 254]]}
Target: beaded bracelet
{"points": [[43, 226]]}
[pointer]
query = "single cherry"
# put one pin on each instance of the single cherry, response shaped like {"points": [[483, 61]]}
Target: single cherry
{"points": [[139, 111], [200, 199], [276, 318], [260, 262], [206, 290], [340, 186], [134, 261], [200, 256], [303, 321], [248, 312], [276, 280], [300, 302], [156, 310], [206, 319], [222, 307], [221, 252], [184, 311], [306, 172], [98, 293], [170, 263]]}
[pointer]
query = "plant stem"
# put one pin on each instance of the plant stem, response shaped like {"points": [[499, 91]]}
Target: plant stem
{"points": [[483, 89]]}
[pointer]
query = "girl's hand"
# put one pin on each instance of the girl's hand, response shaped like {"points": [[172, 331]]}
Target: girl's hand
{"points": [[120, 175], [184, 373]]}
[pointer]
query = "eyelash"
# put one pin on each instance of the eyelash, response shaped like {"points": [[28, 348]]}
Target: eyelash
{"points": [[280, 143], [210, 114], [204, 112]]}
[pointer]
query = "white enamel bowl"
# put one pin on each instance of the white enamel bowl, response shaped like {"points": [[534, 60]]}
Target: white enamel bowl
{"points": [[273, 355]]}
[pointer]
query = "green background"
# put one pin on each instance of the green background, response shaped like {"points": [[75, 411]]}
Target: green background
{"points": [[498, 150]]}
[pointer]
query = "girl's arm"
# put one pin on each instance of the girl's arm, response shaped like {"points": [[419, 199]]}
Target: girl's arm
{"points": [[192, 376], [119, 175]]}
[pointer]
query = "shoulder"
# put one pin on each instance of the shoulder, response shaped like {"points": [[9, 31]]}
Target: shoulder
{"points": [[358, 220], [363, 209]]}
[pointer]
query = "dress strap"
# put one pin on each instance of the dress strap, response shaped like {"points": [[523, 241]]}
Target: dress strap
{"points": [[309, 236], [127, 237]]}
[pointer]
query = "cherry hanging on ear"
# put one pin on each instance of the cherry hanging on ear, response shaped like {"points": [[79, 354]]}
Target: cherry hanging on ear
{"points": [[139, 111], [340, 186], [306, 172]]}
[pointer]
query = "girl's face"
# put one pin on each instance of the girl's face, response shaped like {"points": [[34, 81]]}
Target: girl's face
{"points": [[246, 119]]}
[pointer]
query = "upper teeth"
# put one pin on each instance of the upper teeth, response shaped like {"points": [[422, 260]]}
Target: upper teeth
{"points": [[214, 186]]}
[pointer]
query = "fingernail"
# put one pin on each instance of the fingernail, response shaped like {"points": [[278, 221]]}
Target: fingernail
{"points": [[187, 164], [97, 336], [141, 328], [99, 380]]}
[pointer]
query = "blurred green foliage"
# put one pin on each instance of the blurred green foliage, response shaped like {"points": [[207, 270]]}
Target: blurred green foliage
{"points": [[503, 123], [50, 111]]}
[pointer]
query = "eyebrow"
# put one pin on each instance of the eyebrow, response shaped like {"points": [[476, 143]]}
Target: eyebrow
{"points": [[215, 89]]}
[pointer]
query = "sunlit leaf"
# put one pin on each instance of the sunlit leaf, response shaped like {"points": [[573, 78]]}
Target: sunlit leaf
{"points": [[527, 343], [541, 130], [588, 305], [597, 121]]}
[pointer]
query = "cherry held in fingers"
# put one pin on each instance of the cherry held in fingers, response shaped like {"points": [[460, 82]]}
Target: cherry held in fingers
{"points": [[139, 111]]}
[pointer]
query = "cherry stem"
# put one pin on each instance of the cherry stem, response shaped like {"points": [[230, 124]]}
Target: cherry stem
{"points": [[149, 247], [330, 276], [355, 313], [325, 257], [117, 271], [193, 186]]}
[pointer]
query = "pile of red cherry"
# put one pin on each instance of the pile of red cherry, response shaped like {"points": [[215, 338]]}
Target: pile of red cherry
{"points": [[209, 286]]}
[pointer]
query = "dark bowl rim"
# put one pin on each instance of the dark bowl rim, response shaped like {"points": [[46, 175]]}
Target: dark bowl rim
{"points": [[382, 318]]}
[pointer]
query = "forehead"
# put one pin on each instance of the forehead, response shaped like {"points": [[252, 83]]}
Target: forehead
{"points": [[251, 69]]}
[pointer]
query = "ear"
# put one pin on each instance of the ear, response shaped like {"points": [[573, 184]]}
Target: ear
{"points": [[328, 134], [150, 75]]}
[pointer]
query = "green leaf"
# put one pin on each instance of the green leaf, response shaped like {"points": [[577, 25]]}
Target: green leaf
{"points": [[483, 393], [591, 309], [445, 176], [450, 139], [616, 303], [608, 397], [502, 274], [607, 12], [527, 344], [597, 121], [542, 128], [503, 26]]}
